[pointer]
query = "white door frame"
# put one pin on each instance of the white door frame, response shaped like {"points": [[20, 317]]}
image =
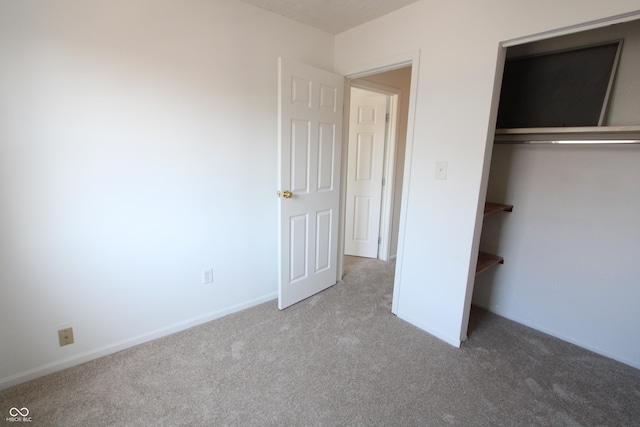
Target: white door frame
{"points": [[389, 168], [406, 59]]}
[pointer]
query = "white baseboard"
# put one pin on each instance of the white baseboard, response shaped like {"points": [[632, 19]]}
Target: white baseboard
{"points": [[559, 336], [128, 343]]}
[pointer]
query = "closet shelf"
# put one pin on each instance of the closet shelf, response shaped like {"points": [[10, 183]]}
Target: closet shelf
{"points": [[486, 261], [492, 208]]}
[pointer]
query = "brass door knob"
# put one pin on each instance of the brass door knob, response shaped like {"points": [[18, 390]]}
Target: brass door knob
{"points": [[286, 194]]}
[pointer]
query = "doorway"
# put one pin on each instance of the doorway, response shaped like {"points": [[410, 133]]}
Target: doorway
{"points": [[373, 223], [303, 144], [396, 84]]}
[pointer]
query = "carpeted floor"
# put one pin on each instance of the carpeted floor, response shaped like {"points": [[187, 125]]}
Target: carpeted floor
{"points": [[338, 358]]}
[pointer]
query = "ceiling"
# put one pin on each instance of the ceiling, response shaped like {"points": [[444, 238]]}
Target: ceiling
{"points": [[332, 16]]}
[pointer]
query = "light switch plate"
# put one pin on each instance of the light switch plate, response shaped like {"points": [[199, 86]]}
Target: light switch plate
{"points": [[441, 170]]}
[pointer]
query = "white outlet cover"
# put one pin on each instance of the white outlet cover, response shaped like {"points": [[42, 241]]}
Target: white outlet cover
{"points": [[207, 275]]}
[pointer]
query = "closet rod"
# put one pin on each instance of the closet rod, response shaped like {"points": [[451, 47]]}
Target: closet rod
{"points": [[574, 141]]}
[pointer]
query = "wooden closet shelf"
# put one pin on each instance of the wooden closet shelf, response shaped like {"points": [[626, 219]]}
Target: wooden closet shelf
{"points": [[486, 261], [491, 208]]}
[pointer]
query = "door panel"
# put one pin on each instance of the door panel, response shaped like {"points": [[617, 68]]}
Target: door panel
{"points": [[300, 142], [323, 240], [300, 91], [329, 98], [326, 153], [364, 157], [310, 144], [361, 218], [367, 131], [299, 247]]}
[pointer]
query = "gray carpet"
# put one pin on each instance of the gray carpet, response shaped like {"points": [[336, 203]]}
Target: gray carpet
{"points": [[338, 358]]}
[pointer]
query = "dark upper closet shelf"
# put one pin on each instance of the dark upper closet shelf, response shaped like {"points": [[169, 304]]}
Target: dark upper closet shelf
{"points": [[485, 260], [570, 135]]}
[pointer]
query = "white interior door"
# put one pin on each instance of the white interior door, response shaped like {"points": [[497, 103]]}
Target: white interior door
{"points": [[367, 130], [310, 145]]}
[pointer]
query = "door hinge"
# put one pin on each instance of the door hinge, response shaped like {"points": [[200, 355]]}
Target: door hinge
{"points": [[384, 181], [379, 240], [386, 118]]}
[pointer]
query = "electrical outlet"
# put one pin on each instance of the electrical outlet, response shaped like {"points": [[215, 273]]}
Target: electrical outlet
{"points": [[207, 276], [65, 336]]}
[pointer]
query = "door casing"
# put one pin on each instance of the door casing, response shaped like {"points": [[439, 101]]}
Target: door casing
{"points": [[412, 59]]}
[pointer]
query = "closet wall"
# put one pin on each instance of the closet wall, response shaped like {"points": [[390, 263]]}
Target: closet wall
{"points": [[572, 244]]}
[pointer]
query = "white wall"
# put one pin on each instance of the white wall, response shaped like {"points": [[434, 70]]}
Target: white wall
{"points": [[459, 50], [572, 243], [138, 146]]}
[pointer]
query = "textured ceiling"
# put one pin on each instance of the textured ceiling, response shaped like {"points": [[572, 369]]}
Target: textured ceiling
{"points": [[332, 16]]}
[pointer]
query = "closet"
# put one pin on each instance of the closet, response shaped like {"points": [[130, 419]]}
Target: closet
{"points": [[572, 243]]}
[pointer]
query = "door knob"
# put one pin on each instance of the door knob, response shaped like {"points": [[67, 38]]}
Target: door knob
{"points": [[286, 194]]}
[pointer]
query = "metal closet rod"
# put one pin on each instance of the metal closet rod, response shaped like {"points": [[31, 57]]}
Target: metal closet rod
{"points": [[585, 135], [574, 141]]}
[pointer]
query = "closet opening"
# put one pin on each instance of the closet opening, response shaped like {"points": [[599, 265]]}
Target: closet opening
{"points": [[569, 241]]}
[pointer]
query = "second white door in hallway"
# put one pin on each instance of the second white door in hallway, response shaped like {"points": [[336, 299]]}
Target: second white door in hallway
{"points": [[367, 130]]}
